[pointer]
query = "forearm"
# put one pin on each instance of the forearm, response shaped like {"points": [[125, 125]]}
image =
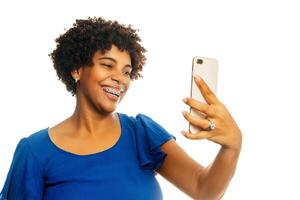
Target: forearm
{"points": [[215, 179]]}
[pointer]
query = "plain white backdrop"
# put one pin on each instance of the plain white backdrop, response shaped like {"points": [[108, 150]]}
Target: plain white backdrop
{"points": [[257, 45]]}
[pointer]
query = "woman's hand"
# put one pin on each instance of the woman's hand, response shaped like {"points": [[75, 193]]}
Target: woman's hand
{"points": [[226, 133]]}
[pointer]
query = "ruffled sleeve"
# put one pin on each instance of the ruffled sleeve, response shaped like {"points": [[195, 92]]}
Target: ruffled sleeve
{"points": [[150, 136], [25, 178]]}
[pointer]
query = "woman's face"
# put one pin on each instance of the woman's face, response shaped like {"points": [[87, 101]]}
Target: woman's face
{"points": [[104, 85]]}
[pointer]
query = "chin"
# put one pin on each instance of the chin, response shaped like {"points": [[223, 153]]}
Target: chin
{"points": [[109, 106], [107, 109]]}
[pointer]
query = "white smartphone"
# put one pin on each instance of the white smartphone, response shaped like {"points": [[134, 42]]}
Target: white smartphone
{"points": [[207, 69]]}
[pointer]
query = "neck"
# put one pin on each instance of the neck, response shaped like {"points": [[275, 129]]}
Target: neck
{"points": [[88, 121]]}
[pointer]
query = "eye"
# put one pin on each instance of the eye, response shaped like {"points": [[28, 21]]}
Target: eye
{"points": [[106, 65], [127, 73]]}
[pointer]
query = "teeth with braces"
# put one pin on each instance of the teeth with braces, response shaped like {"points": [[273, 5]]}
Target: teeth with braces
{"points": [[112, 91]]}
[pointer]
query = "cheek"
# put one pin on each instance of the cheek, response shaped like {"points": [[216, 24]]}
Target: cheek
{"points": [[102, 75]]}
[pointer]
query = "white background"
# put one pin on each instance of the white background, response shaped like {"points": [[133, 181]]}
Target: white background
{"points": [[257, 44]]}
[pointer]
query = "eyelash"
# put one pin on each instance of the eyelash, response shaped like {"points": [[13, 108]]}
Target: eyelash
{"points": [[107, 65], [110, 66], [127, 73]]}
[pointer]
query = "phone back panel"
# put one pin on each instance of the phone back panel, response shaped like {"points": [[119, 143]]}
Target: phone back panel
{"points": [[207, 69]]}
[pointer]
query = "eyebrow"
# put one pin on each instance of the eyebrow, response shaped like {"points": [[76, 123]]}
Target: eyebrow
{"points": [[113, 60]]}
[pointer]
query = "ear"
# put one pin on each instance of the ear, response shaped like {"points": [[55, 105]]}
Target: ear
{"points": [[76, 73]]}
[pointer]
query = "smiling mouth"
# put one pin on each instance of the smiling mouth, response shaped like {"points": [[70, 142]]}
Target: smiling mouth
{"points": [[112, 91]]}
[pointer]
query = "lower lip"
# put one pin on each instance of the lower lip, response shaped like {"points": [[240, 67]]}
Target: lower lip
{"points": [[111, 96]]}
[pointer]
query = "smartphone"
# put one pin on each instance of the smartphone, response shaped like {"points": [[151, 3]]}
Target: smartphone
{"points": [[207, 69]]}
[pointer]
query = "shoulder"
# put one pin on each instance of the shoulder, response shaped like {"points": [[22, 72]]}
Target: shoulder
{"points": [[36, 144], [149, 137], [33, 139], [37, 139], [30, 150]]}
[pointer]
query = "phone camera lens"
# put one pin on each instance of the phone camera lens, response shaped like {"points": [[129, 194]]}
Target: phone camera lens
{"points": [[199, 61]]}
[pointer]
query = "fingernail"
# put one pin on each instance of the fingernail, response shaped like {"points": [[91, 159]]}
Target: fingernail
{"points": [[184, 112], [197, 77], [183, 133], [185, 100]]}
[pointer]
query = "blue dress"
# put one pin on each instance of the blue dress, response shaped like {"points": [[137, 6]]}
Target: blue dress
{"points": [[41, 170]]}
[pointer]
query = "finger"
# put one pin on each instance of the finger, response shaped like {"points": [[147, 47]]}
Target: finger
{"points": [[206, 92], [202, 107], [196, 121], [199, 136]]}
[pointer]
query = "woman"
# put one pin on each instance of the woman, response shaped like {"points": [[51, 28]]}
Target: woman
{"points": [[97, 153]]}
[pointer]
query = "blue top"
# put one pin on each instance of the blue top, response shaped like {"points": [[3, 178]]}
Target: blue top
{"points": [[42, 170]]}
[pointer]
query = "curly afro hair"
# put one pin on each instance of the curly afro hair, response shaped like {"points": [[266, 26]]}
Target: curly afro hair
{"points": [[77, 46]]}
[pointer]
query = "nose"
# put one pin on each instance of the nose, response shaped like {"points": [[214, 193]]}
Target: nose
{"points": [[117, 77]]}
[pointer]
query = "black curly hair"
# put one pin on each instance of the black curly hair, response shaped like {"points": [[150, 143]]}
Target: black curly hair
{"points": [[77, 46]]}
